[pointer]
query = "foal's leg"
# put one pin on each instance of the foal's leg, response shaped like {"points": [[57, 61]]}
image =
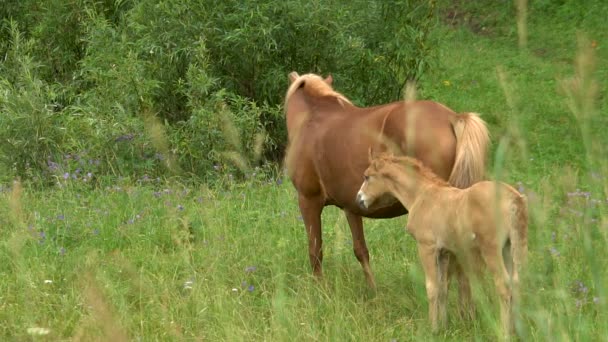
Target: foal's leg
{"points": [[443, 263], [311, 209], [508, 258], [428, 258], [492, 256], [466, 308], [356, 228]]}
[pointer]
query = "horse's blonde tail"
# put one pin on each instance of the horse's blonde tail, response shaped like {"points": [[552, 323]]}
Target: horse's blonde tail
{"points": [[472, 140]]}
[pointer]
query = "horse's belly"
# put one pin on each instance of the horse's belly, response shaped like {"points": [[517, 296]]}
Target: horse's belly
{"points": [[394, 210]]}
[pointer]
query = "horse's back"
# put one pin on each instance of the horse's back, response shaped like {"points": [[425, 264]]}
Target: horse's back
{"points": [[335, 142]]}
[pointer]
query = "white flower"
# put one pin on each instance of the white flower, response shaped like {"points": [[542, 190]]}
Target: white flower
{"points": [[38, 331], [48, 281]]}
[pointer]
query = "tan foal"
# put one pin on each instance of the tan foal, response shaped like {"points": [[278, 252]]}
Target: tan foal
{"points": [[487, 221]]}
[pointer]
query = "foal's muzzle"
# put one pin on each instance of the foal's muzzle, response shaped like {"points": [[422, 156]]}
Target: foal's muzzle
{"points": [[361, 200]]}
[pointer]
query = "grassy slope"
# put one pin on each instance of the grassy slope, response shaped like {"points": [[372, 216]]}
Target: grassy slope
{"points": [[120, 258]]}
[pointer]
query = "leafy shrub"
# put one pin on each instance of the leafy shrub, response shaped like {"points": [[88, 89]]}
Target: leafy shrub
{"points": [[195, 66]]}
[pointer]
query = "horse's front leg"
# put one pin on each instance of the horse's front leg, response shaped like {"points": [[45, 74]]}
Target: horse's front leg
{"points": [[311, 209], [359, 246]]}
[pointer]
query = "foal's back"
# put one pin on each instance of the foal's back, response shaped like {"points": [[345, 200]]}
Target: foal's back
{"points": [[489, 211], [458, 219]]}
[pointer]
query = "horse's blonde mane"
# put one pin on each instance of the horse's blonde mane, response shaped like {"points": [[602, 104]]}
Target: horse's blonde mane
{"points": [[314, 85], [414, 163]]}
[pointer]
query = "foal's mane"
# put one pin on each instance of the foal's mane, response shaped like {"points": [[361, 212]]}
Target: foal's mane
{"points": [[415, 164], [315, 86]]}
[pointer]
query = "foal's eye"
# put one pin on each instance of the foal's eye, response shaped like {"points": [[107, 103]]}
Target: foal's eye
{"points": [[366, 177]]}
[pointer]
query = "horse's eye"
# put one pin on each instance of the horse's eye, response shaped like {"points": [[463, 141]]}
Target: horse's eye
{"points": [[366, 177]]}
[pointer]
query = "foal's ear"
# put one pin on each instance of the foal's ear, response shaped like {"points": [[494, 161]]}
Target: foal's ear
{"points": [[293, 76], [370, 154], [329, 80]]}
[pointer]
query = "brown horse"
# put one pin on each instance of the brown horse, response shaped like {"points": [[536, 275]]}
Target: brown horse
{"points": [[327, 153], [486, 223]]}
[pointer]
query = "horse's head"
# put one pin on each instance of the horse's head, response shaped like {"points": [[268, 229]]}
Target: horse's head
{"points": [[309, 86]]}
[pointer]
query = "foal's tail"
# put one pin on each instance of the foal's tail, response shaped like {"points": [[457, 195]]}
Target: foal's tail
{"points": [[472, 140], [518, 235]]}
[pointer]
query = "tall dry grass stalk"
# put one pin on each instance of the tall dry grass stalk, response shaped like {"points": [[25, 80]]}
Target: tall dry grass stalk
{"points": [[158, 137], [102, 324], [236, 153], [513, 135], [522, 16], [410, 93], [581, 94]]}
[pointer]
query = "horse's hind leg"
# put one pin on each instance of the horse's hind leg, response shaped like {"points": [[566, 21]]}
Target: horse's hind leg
{"points": [[311, 209], [356, 228]]}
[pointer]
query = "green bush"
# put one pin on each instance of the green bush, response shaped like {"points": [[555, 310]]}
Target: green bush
{"points": [[79, 74]]}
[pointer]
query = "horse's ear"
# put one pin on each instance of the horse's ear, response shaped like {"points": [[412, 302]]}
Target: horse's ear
{"points": [[293, 76], [329, 80]]}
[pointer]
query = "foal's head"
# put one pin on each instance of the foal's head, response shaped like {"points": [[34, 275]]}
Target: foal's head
{"points": [[386, 170], [375, 188]]}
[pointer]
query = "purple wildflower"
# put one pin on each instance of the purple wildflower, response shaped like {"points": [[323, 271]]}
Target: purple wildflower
{"points": [[52, 165], [96, 231], [251, 288], [250, 269], [61, 217], [62, 251], [279, 181], [66, 176], [180, 207], [554, 251]]}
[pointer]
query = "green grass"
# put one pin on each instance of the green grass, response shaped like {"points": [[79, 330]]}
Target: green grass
{"points": [[165, 261]]}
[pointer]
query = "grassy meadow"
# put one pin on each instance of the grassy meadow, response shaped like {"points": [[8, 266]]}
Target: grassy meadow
{"points": [[164, 260]]}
